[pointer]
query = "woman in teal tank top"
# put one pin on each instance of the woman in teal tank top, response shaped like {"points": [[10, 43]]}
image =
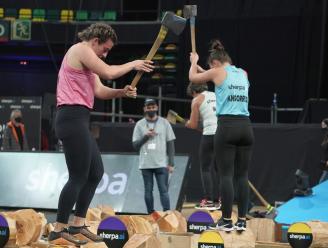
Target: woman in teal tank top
{"points": [[233, 140]]}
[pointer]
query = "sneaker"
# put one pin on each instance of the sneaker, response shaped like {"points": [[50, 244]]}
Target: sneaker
{"points": [[83, 233], [218, 205], [64, 238], [206, 205], [240, 225], [222, 225]]}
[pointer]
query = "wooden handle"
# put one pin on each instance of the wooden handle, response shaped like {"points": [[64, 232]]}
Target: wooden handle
{"points": [[192, 34], [160, 37], [262, 200], [193, 38]]}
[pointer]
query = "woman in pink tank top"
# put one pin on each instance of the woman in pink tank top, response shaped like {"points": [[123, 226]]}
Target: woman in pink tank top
{"points": [[78, 84]]}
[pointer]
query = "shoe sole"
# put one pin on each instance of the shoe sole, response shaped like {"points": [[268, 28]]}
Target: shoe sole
{"points": [[222, 229], [207, 208], [240, 229], [81, 236]]}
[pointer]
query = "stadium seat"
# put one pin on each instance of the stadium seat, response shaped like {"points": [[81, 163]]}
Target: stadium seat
{"points": [[39, 15], [1, 13], [25, 14], [10, 14], [95, 16], [53, 15], [81, 15], [66, 15], [109, 16]]}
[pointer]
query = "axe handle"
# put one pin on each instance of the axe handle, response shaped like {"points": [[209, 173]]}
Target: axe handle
{"points": [[260, 197], [160, 37], [192, 33]]}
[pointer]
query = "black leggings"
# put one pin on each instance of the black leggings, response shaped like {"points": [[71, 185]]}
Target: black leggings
{"points": [[233, 146], [85, 167], [208, 170]]}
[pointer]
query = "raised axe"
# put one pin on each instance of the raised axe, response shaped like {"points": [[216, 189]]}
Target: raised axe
{"points": [[170, 22], [271, 211], [190, 12]]}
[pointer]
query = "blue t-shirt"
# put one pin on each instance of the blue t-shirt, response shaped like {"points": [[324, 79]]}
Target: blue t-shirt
{"points": [[232, 94]]}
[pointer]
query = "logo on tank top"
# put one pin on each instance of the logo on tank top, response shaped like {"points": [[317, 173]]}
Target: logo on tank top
{"points": [[236, 87], [237, 98]]}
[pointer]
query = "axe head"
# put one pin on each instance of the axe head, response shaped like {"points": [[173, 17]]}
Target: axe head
{"points": [[174, 23], [189, 11]]}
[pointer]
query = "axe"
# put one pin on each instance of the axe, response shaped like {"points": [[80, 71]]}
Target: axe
{"points": [[189, 12], [271, 211], [170, 22], [173, 117]]}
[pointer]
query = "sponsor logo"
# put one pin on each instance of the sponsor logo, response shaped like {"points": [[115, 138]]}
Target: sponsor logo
{"points": [[198, 228], [47, 179], [300, 235], [236, 87], [112, 236], [237, 98]]}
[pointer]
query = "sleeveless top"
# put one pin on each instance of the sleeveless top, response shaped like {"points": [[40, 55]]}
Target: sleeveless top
{"points": [[232, 94], [75, 86], [208, 113]]}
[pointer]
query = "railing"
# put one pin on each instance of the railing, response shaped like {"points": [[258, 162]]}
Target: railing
{"points": [[274, 109]]}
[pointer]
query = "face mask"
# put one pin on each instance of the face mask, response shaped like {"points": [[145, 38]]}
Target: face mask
{"points": [[19, 119], [151, 114]]}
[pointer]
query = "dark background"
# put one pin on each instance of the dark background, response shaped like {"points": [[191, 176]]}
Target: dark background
{"points": [[281, 44]]}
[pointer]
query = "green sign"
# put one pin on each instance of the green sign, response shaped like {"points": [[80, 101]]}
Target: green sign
{"points": [[21, 30], [4, 31]]}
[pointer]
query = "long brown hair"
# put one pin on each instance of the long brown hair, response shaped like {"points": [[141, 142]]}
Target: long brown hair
{"points": [[218, 52], [102, 31]]}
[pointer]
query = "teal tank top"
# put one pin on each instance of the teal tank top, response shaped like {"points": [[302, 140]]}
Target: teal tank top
{"points": [[232, 94]]}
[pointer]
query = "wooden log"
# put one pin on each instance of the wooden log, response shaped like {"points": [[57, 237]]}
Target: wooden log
{"points": [[320, 234], [106, 211], [263, 229], [185, 240], [142, 241], [29, 226], [93, 214], [234, 239], [260, 244], [94, 245]]}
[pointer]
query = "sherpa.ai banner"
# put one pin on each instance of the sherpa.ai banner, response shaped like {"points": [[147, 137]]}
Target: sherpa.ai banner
{"points": [[34, 180]]}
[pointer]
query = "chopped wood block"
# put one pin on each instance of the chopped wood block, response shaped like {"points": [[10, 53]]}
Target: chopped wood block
{"points": [[271, 245], [320, 233], [263, 229], [185, 240], [94, 245], [93, 214], [29, 226], [106, 211], [238, 240], [142, 241]]}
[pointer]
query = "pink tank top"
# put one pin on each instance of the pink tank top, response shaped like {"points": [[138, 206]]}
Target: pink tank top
{"points": [[75, 86]]}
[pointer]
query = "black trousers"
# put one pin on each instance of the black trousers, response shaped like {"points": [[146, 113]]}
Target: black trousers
{"points": [[233, 147], [208, 170], [84, 164]]}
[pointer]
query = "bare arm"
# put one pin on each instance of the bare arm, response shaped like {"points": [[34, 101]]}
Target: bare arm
{"points": [[104, 92], [194, 115], [90, 60]]}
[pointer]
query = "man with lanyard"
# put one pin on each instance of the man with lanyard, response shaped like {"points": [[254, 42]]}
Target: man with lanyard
{"points": [[154, 138]]}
